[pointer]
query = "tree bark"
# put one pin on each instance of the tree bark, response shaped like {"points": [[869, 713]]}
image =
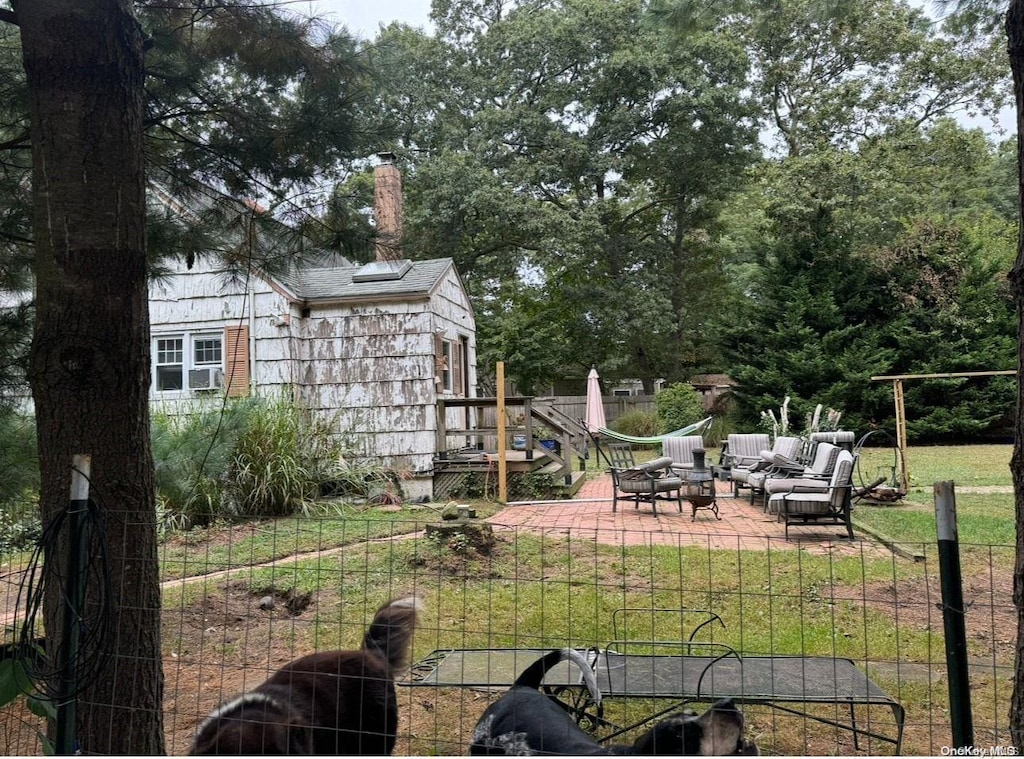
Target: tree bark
{"points": [[89, 360], [1015, 48]]}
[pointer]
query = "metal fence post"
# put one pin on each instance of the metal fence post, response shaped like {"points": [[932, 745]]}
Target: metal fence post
{"points": [[953, 615], [67, 683]]}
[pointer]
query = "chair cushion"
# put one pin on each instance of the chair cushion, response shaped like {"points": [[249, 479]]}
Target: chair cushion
{"points": [[745, 448], [807, 503], [756, 479], [775, 485], [825, 456], [680, 449], [785, 461], [636, 485], [776, 489], [664, 462], [634, 473], [645, 485]]}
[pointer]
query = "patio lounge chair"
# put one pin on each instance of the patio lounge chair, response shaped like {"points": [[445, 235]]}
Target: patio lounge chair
{"points": [[742, 451], [787, 475], [651, 482], [680, 450], [843, 438], [829, 506], [789, 447]]}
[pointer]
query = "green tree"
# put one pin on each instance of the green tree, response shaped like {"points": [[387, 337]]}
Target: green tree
{"points": [[833, 73], [856, 275], [583, 152], [236, 96], [89, 369]]}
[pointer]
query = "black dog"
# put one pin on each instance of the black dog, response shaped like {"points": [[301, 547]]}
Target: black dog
{"points": [[334, 702], [525, 722]]}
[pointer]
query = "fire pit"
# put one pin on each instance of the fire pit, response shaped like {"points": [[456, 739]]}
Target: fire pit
{"points": [[699, 486]]}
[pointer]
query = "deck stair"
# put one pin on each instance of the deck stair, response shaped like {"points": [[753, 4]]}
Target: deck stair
{"points": [[467, 440]]}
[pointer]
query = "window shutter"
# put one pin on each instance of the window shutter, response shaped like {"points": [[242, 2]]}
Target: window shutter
{"points": [[236, 361]]}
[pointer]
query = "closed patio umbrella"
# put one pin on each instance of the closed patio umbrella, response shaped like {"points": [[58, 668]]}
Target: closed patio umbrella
{"points": [[595, 406]]}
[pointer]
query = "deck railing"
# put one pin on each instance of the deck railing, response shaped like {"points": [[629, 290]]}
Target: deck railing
{"points": [[526, 417]]}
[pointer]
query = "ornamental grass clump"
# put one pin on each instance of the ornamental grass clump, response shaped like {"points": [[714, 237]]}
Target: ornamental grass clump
{"points": [[280, 461], [246, 458]]}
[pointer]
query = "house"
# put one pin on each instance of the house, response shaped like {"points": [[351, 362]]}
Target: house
{"points": [[369, 348], [713, 388]]}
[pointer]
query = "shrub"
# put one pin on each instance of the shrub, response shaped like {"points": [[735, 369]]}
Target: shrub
{"points": [[678, 405], [20, 530], [638, 424], [191, 455], [20, 527], [250, 458]]}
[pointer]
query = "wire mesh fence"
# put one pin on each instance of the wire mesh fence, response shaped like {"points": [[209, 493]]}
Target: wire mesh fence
{"points": [[239, 602]]}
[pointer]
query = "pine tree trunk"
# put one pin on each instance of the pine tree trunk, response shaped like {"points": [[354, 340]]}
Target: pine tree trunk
{"points": [[89, 367], [1015, 47]]}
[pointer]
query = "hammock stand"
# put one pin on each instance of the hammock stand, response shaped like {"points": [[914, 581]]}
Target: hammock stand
{"points": [[697, 428]]}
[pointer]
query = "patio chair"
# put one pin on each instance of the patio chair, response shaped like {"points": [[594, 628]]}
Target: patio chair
{"points": [[829, 506], [742, 451], [789, 447], [788, 475], [680, 450], [651, 482], [843, 438]]}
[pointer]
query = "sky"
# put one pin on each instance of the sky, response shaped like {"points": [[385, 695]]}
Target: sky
{"points": [[364, 17]]}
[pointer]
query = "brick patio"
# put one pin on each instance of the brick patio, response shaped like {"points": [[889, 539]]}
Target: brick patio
{"points": [[742, 525]]}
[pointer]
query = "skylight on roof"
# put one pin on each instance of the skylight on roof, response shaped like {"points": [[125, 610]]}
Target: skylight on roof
{"points": [[381, 271]]}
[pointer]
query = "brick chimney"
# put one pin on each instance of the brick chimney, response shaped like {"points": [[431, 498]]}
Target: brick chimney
{"points": [[387, 208]]}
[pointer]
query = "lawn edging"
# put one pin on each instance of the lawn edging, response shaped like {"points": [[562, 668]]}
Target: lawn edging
{"points": [[890, 543]]}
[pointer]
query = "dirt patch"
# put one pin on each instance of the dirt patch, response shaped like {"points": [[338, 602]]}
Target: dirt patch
{"points": [[224, 643], [991, 619]]}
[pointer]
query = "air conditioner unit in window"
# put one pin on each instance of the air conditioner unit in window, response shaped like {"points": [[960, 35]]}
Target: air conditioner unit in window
{"points": [[207, 378]]}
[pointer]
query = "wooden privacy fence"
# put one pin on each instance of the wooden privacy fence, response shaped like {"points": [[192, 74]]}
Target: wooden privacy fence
{"points": [[575, 406]]}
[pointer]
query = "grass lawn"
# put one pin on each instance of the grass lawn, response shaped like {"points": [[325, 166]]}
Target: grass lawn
{"points": [[982, 485], [540, 591]]}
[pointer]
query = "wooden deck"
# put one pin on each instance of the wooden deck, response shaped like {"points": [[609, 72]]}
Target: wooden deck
{"points": [[537, 461]]}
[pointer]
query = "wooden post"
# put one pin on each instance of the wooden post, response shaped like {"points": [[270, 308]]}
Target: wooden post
{"points": [[502, 463], [901, 433]]}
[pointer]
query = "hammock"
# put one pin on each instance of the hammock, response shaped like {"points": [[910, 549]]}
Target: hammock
{"points": [[694, 429]]}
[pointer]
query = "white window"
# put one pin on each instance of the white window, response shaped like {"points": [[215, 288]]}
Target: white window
{"points": [[169, 363], [446, 365], [449, 364], [199, 367]]}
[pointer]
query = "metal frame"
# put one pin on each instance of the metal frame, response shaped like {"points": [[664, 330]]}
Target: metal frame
{"points": [[719, 672]]}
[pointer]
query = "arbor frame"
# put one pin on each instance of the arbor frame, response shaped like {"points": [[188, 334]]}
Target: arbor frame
{"points": [[901, 415]]}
